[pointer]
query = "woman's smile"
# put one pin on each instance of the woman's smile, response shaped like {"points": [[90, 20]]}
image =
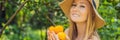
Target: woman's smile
{"points": [[75, 15]]}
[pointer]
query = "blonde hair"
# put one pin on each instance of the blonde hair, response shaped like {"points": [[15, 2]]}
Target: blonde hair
{"points": [[89, 29]]}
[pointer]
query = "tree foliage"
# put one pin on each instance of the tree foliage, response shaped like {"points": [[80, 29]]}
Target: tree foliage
{"points": [[34, 18]]}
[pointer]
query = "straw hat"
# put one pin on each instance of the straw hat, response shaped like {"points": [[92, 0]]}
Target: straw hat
{"points": [[99, 21]]}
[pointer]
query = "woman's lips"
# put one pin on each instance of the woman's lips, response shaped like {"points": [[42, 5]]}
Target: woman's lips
{"points": [[75, 15]]}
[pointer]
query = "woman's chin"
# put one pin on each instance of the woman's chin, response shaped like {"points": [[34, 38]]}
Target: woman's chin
{"points": [[78, 20], [74, 20]]}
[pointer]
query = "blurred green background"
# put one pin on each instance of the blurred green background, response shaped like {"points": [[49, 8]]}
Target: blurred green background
{"points": [[32, 21]]}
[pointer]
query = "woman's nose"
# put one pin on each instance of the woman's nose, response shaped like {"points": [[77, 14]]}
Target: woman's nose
{"points": [[75, 9]]}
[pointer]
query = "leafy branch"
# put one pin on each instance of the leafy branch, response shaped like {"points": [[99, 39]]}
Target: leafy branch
{"points": [[12, 17]]}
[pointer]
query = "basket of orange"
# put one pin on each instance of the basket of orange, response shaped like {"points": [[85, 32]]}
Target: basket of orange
{"points": [[59, 30]]}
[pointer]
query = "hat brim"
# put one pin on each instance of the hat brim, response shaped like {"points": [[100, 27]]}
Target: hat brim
{"points": [[66, 5]]}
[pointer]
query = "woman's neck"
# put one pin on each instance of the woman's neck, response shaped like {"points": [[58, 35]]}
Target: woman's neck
{"points": [[81, 29]]}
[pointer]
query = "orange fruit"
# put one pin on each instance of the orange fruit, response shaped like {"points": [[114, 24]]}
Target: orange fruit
{"points": [[58, 29], [51, 28], [61, 36]]}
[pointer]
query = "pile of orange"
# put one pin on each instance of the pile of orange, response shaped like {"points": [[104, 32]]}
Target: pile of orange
{"points": [[59, 30]]}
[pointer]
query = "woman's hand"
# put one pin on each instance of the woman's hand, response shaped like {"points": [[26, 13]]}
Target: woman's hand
{"points": [[53, 36]]}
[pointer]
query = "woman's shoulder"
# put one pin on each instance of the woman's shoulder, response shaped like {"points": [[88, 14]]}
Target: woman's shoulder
{"points": [[95, 36]]}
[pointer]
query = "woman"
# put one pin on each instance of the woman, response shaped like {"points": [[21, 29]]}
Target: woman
{"points": [[84, 19]]}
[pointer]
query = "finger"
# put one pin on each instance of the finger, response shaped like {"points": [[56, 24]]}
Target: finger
{"points": [[56, 37], [50, 36], [53, 36], [48, 32]]}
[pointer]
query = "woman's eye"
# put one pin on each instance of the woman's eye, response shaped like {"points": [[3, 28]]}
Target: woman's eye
{"points": [[73, 5], [82, 6]]}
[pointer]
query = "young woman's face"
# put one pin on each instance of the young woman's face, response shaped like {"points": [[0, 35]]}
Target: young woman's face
{"points": [[79, 10]]}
